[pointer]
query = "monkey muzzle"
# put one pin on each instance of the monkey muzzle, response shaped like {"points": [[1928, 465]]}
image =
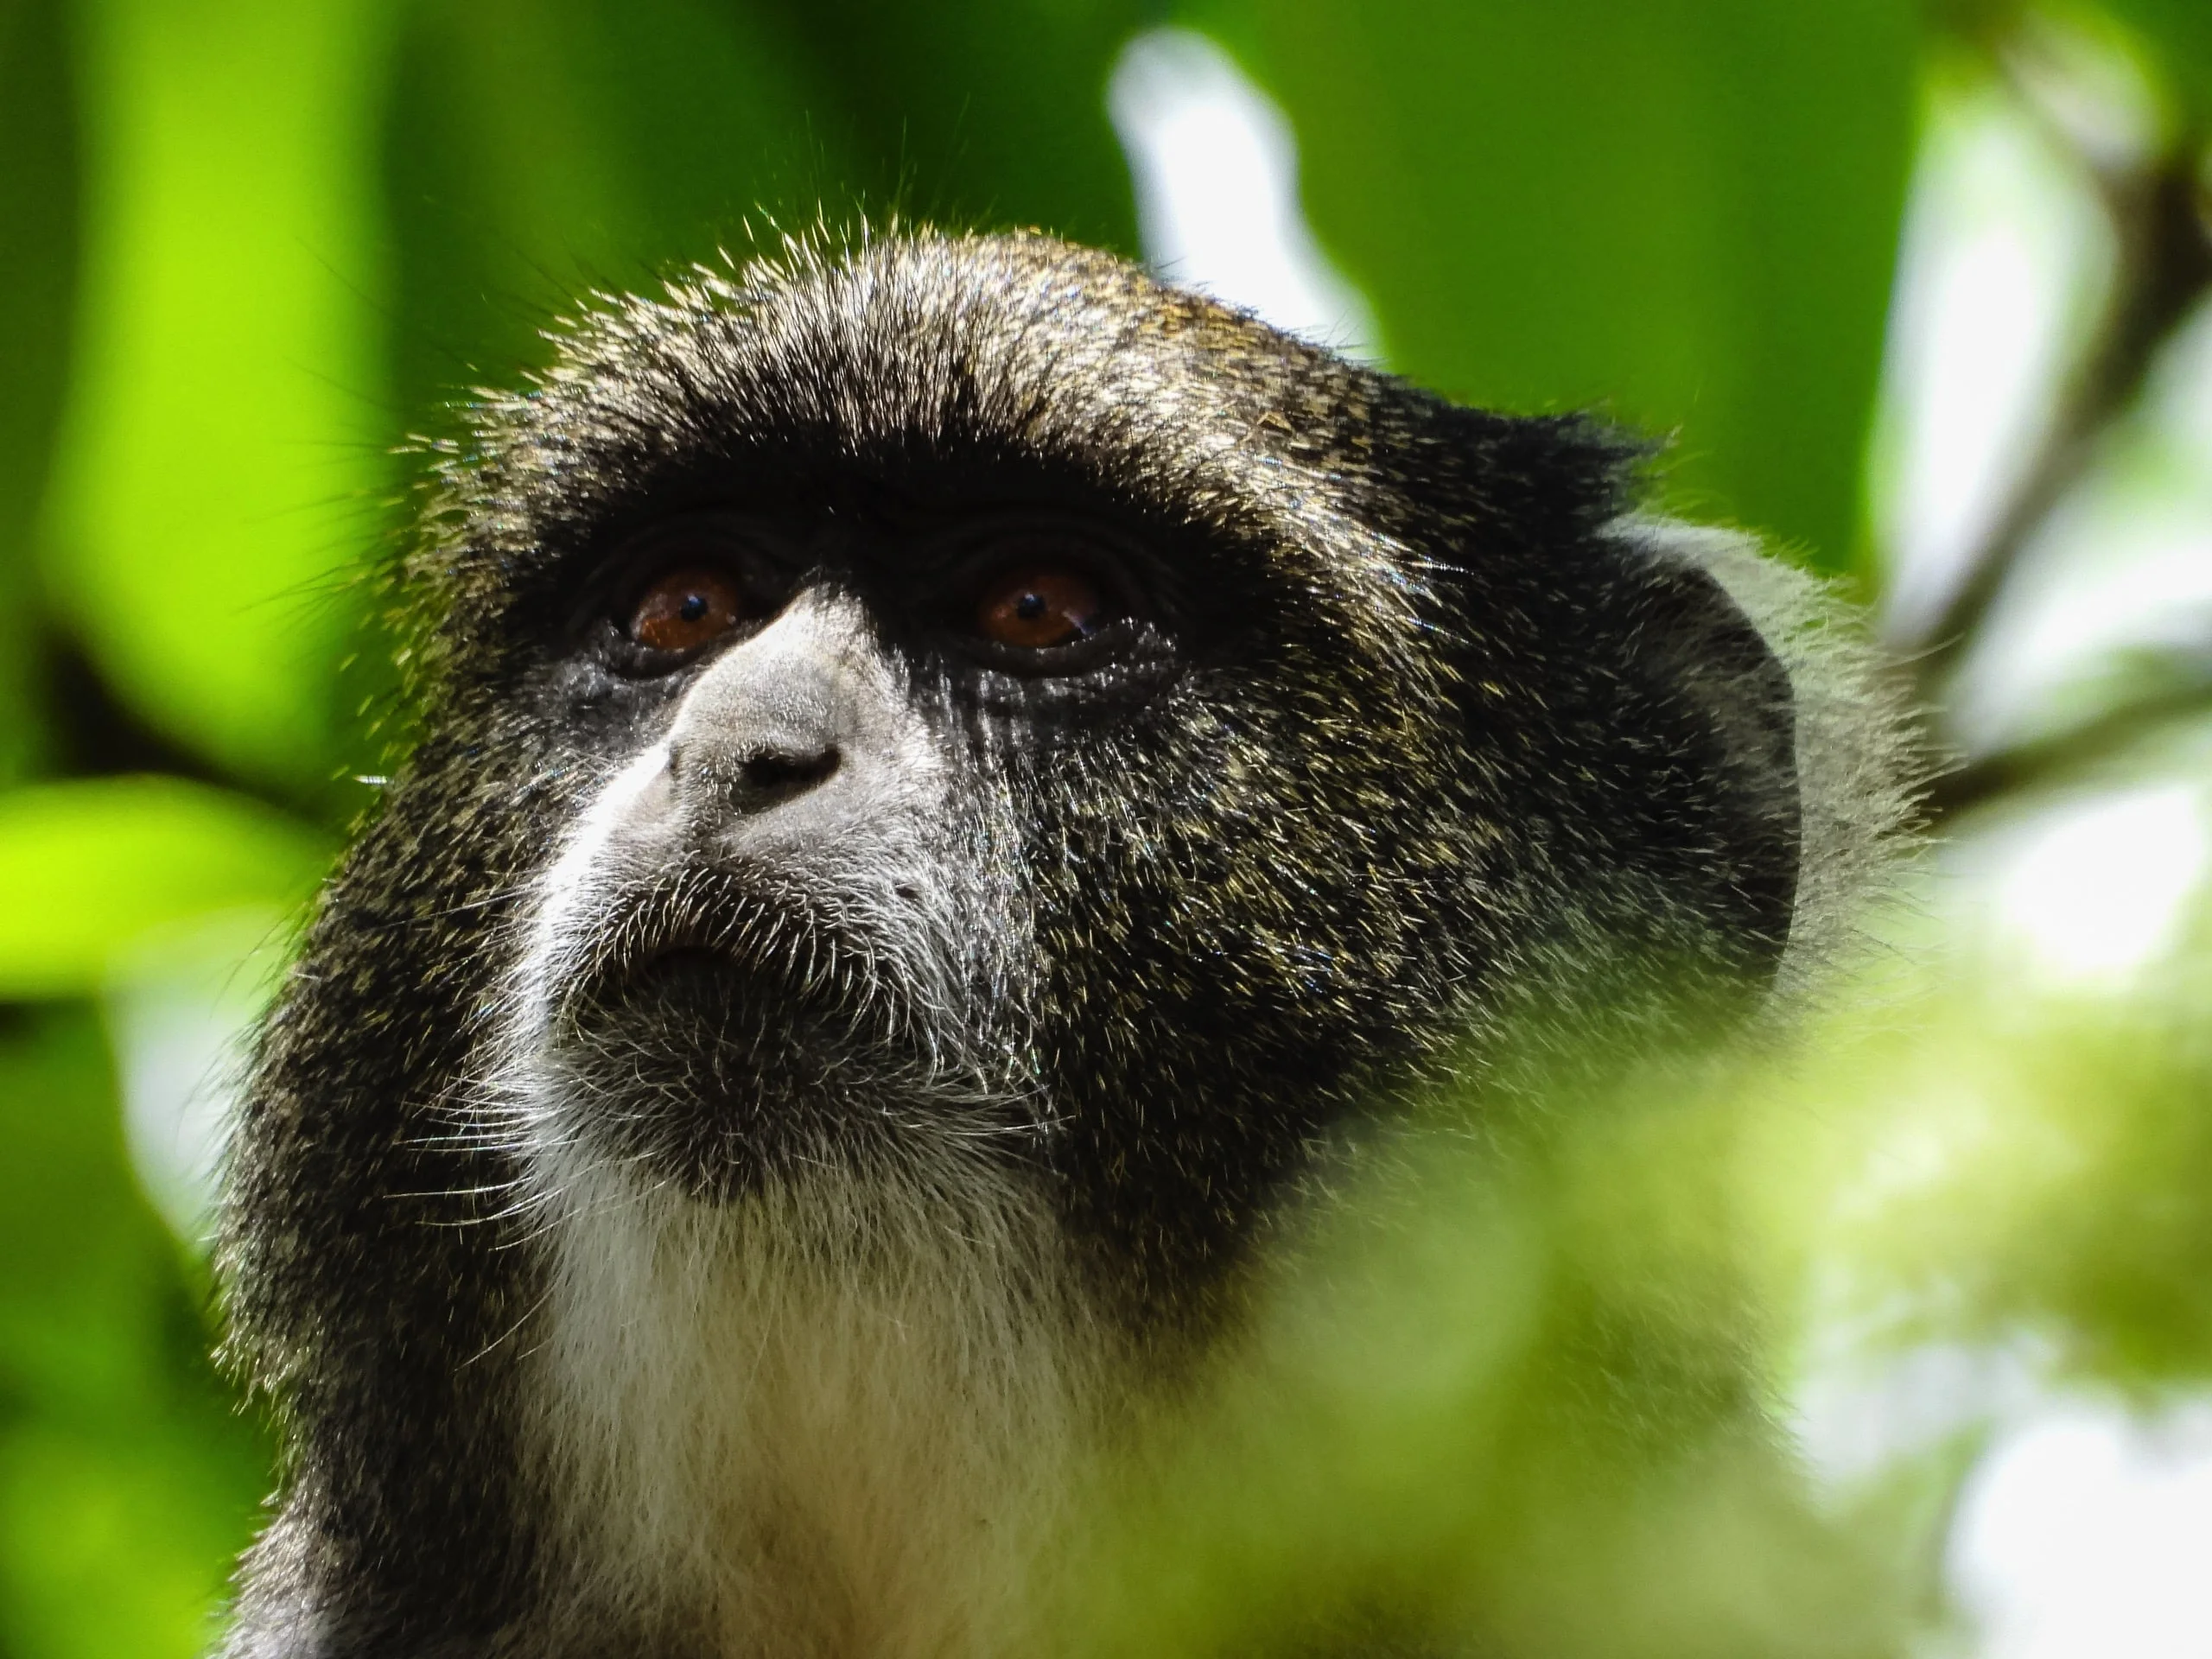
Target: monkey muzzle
{"points": [[762, 943]]}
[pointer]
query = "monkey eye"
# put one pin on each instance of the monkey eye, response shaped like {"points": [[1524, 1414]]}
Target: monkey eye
{"points": [[685, 608], [1038, 607]]}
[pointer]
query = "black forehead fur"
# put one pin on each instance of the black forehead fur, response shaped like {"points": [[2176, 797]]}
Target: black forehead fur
{"points": [[941, 371], [1460, 757]]}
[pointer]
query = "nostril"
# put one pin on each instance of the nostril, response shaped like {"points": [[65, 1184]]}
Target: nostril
{"points": [[783, 771]]}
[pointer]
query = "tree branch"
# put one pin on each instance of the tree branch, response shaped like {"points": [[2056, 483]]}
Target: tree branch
{"points": [[2163, 268], [2066, 754]]}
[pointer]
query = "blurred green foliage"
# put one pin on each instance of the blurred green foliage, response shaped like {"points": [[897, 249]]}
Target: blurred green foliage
{"points": [[223, 444], [91, 866], [126, 1477], [2179, 34], [249, 250], [1512, 1396], [2069, 1154], [1685, 214], [38, 204], [1507, 1400]]}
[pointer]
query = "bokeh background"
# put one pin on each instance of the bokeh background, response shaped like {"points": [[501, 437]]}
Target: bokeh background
{"points": [[1919, 290]]}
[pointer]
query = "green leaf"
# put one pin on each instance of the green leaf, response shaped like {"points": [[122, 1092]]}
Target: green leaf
{"points": [[986, 114], [2181, 30], [223, 463], [113, 1546], [92, 868], [128, 1480], [538, 150], [1683, 213], [38, 207]]}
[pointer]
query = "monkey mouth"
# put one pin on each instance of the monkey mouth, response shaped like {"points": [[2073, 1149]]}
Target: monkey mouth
{"points": [[721, 992], [718, 1044], [679, 959], [739, 952], [697, 914], [715, 942], [702, 978]]}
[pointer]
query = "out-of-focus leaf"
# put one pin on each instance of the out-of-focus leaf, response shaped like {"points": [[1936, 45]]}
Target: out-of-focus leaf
{"points": [[223, 454], [38, 209], [1516, 1406], [536, 151], [1683, 213], [89, 868], [986, 113], [114, 1544], [78, 1321], [2182, 31], [127, 1483], [2066, 1165]]}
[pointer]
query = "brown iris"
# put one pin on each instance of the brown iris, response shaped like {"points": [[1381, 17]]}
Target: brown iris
{"points": [[687, 608], [1034, 607]]}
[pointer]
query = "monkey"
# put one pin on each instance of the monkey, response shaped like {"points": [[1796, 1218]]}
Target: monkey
{"points": [[949, 773]]}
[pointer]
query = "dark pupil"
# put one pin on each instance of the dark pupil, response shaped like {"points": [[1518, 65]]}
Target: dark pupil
{"points": [[1029, 606], [693, 608]]}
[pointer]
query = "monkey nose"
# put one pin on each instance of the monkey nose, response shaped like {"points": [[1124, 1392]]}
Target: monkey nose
{"points": [[778, 774], [713, 775], [779, 717]]}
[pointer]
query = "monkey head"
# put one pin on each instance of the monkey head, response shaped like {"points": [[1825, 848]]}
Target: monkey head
{"points": [[954, 717], [996, 701]]}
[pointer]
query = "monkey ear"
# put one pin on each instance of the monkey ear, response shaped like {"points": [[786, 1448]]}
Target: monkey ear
{"points": [[1696, 647]]}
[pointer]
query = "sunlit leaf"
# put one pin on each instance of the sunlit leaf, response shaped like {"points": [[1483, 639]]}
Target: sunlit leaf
{"points": [[223, 453], [90, 868]]}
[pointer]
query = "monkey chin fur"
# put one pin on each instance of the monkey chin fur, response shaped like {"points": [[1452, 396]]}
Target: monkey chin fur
{"points": [[832, 1409], [833, 1417]]}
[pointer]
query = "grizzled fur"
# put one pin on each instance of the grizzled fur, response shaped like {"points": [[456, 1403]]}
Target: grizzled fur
{"points": [[1434, 735]]}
